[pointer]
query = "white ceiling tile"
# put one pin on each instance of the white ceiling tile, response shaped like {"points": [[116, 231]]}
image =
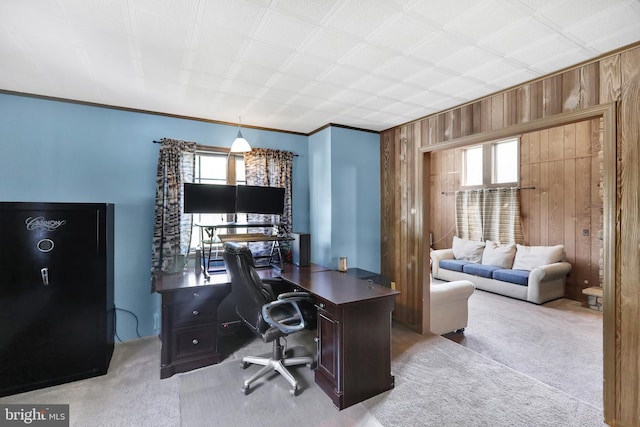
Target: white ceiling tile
{"points": [[518, 34], [329, 45], [284, 30], [428, 77], [295, 65], [566, 13], [400, 33], [315, 11], [341, 75], [442, 12], [610, 21], [360, 17], [236, 17], [306, 65], [438, 47], [372, 84], [465, 59], [367, 57], [401, 67], [482, 20]]}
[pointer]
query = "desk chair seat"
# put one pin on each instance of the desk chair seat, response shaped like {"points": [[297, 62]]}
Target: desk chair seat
{"points": [[269, 316]]}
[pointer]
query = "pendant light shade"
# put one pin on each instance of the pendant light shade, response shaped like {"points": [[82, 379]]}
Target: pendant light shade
{"points": [[240, 145]]}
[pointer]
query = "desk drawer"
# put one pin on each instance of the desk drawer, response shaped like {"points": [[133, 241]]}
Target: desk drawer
{"points": [[195, 294], [194, 312], [194, 341]]}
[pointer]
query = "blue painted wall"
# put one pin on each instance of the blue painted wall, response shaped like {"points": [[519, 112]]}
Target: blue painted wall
{"points": [[355, 196], [344, 169], [54, 151]]}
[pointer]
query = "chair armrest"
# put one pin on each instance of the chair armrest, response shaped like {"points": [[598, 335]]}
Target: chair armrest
{"points": [[291, 299]]}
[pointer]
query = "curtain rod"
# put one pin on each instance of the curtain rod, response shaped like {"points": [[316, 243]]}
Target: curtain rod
{"points": [[490, 189], [160, 142]]}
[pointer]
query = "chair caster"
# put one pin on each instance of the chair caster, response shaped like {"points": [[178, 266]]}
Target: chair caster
{"points": [[294, 391], [245, 365], [459, 331], [246, 390]]}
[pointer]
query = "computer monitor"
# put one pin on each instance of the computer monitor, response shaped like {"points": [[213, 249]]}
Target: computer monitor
{"points": [[259, 200], [209, 198]]}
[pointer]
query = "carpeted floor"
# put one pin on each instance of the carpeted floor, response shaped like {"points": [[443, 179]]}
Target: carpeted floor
{"points": [[530, 338], [514, 371], [438, 383]]}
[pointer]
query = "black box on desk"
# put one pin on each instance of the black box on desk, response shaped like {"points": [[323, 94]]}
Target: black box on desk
{"points": [[301, 249]]}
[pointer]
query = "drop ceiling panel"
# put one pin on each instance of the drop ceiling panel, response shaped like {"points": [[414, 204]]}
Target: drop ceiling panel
{"points": [[295, 65]]}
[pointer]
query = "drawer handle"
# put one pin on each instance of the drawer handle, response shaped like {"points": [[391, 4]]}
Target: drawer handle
{"points": [[195, 294], [321, 305], [316, 339], [195, 342], [195, 312]]}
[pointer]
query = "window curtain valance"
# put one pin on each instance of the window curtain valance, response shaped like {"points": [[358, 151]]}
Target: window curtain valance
{"points": [[172, 227], [489, 214]]}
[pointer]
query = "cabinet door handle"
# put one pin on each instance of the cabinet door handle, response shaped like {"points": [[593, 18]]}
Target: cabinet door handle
{"points": [[316, 339], [196, 295], [195, 341], [195, 312]]}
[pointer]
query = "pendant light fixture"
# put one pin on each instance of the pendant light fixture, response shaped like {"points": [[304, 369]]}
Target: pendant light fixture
{"points": [[240, 145]]}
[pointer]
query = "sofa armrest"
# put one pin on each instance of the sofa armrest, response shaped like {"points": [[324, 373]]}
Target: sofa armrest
{"points": [[436, 256], [550, 271]]}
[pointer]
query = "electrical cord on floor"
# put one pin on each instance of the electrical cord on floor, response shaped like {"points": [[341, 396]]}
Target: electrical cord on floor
{"points": [[115, 322]]}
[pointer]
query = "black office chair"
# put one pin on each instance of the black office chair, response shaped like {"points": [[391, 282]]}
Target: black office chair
{"points": [[269, 316]]}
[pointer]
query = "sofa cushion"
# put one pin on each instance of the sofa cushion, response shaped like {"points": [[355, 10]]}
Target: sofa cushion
{"points": [[467, 250], [530, 257], [519, 277], [453, 264], [499, 254], [479, 269]]}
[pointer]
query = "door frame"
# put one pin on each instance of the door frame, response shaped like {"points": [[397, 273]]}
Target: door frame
{"points": [[610, 228]]}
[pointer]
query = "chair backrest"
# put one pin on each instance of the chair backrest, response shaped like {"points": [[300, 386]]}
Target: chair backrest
{"points": [[249, 291]]}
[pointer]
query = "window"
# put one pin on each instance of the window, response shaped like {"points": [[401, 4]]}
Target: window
{"points": [[491, 165], [211, 168]]}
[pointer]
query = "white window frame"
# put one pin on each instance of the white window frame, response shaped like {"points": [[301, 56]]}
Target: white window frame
{"points": [[489, 165]]}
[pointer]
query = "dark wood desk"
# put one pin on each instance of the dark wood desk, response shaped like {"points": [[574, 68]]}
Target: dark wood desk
{"points": [[354, 333], [189, 331]]}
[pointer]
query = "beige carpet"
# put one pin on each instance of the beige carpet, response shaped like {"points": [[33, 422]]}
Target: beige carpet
{"points": [[438, 383], [558, 343]]}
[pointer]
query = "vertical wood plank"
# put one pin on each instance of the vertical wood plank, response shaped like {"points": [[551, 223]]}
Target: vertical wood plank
{"points": [[552, 95], [610, 79], [555, 202], [536, 99], [466, 120], [556, 143], [523, 95], [628, 268], [485, 114], [497, 111], [589, 85], [477, 117], [569, 141], [535, 146], [571, 90], [544, 145], [568, 213], [584, 223], [583, 138], [510, 107]]}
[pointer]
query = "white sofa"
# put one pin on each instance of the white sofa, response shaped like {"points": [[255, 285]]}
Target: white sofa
{"points": [[449, 310], [530, 273]]}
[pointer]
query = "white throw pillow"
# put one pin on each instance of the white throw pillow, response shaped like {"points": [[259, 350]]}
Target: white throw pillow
{"points": [[467, 250], [530, 257], [499, 254]]}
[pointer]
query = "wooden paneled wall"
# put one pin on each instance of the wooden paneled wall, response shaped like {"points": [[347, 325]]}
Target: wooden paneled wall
{"points": [[405, 158], [563, 164]]}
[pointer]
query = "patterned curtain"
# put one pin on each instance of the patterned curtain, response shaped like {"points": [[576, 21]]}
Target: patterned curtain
{"points": [[489, 214], [502, 222], [270, 168], [469, 214], [172, 227]]}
